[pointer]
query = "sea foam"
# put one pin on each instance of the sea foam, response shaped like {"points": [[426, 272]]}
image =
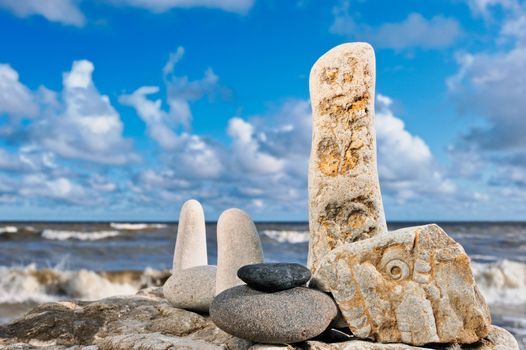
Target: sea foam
{"points": [[8, 229], [287, 236], [502, 282], [63, 235], [135, 226], [29, 284]]}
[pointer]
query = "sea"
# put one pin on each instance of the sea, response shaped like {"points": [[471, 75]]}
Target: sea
{"points": [[43, 262]]}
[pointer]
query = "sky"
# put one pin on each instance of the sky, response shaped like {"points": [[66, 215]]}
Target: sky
{"points": [[124, 109]]}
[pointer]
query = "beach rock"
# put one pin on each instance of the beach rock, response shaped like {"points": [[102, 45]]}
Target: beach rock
{"points": [[192, 289], [268, 277], [190, 246], [238, 244], [413, 285], [345, 204], [111, 323], [148, 322], [498, 339], [287, 316]]}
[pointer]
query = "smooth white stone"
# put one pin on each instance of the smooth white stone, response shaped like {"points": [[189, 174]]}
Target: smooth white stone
{"points": [[238, 244], [190, 247]]}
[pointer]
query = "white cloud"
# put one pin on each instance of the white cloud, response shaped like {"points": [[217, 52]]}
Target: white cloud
{"points": [[406, 165], [64, 11], [61, 189], [415, 31], [238, 6], [246, 149], [15, 98], [490, 85], [162, 124], [85, 126]]}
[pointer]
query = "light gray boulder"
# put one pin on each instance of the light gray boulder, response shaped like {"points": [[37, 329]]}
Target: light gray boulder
{"points": [[238, 244], [287, 316], [192, 289]]}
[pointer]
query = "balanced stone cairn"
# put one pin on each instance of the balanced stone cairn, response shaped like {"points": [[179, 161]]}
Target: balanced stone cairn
{"points": [[414, 285]]}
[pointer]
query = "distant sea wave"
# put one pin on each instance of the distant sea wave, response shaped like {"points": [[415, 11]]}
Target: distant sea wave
{"points": [[284, 236], [135, 226], [63, 235]]}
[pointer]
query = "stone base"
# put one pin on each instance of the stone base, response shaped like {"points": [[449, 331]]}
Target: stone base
{"points": [[147, 321]]}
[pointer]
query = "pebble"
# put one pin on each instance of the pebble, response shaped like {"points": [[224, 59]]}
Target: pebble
{"points": [[192, 289], [273, 277], [287, 316]]}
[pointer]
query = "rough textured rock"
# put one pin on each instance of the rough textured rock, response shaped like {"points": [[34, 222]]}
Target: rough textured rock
{"points": [[345, 204], [110, 324], [153, 341], [287, 316], [412, 285], [190, 247], [238, 244], [273, 277], [149, 322], [192, 289]]}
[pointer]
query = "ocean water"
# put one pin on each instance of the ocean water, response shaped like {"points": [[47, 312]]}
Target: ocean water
{"points": [[42, 262]]}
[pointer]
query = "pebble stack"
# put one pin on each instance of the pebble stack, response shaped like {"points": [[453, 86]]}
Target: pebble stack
{"points": [[274, 307]]}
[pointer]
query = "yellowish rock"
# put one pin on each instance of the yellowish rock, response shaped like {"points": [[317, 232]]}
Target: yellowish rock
{"points": [[345, 204], [413, 285]]}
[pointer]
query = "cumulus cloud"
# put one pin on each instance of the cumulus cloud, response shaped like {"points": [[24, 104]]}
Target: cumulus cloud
{"points": [[16, 99], [63, 11], [489, 90], [415, 31], [406, 165], [85, 126], [247, 152]]}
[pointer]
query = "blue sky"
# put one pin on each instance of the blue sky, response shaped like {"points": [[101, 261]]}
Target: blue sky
{"points": [[123, 109]]}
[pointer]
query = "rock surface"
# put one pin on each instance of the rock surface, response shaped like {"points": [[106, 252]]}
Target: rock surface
{"points": [[345, 204], [288, 316], [192, 289], [273, 277], [238, 244], [147, 322], [190, 247], [413, 285]]}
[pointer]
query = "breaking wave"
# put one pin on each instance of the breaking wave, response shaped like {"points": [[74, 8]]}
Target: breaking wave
{"points": [[78, 235], [287, 236], [29, 284], [502, 282], [135, 226], [8, 229]]}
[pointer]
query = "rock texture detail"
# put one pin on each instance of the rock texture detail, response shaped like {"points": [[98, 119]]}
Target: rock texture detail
{"points": [[238, 244], [190, 247], [287, 316], [345, 204], [413, 285]]}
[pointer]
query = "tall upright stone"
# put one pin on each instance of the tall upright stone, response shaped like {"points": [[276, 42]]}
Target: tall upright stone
{"points": [[345, 203], [238, 244], [190, 247]]}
